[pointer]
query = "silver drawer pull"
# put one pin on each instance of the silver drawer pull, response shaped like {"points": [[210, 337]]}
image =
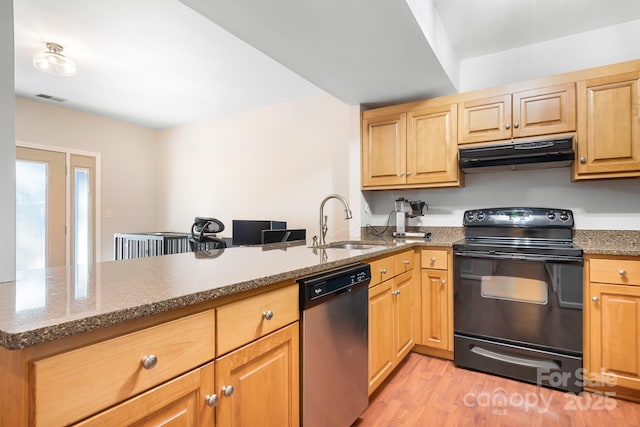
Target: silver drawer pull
{"points": [[383, 271], [433, 259], [227, 390], [407, 262], [267, 315], [623, 272], [211, 400], [443, 282], [595, 299], [149, 361]]}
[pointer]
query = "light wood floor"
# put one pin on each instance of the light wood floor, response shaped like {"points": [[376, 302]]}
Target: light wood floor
{"points": [[426, 391]]}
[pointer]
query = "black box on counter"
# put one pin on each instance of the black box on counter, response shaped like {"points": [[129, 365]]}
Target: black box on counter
{"points": [[249, 232]]}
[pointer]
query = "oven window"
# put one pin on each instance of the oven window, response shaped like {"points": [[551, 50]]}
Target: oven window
{"points": [[514, 289]]}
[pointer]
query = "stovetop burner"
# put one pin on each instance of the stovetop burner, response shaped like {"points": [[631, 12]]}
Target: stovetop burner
{"points": [[519, 230]]}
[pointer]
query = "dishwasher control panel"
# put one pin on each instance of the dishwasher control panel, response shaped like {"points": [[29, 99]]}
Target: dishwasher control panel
{"points": [[332, 283]]}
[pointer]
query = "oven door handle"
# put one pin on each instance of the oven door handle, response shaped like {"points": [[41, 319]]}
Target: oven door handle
{"points": [[532, 363], [518, 257]]}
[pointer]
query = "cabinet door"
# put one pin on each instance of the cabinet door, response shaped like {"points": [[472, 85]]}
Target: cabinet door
{"points": [[435, 309], [544, 111], [384, 150], [482, 120], [179, 402], [432, 145], [381, 349], [608, 127], [265, 380], [615, 333], [403, 314]]}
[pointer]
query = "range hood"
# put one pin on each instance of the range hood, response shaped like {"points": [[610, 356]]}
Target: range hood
{"points": [[538, 154]]}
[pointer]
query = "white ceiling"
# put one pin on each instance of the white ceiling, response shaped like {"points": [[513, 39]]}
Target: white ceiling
{"points": [[159, 63]]}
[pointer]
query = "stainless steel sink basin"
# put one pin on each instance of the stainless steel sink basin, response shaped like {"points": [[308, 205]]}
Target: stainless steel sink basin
{"points": [[353, 245]]}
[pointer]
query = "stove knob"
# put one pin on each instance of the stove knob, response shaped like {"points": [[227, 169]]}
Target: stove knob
{"points": [[551, 215], [470, 216], [480, 216], [564, 216]]}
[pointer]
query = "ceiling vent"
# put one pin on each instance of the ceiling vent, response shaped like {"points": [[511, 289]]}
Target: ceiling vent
{"points": [[50, 97]]}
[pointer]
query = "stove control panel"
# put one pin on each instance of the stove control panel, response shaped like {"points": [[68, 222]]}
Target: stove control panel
{"points": [[519, 217]]}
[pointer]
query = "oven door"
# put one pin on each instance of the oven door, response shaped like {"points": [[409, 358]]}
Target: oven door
{"points": [[517, 314]]}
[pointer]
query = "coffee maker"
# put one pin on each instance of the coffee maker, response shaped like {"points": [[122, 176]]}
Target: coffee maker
{"points": [[408, 209]]}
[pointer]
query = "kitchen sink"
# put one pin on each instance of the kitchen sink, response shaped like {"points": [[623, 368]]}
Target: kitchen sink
{"points": [[353, 245]]}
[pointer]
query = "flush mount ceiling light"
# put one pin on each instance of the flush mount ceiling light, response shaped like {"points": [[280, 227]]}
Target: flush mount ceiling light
{"points": [[53, 62]]}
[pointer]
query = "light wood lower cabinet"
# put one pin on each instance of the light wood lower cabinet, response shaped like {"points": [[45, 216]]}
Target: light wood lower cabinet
{"points": [[612, 325], [179, 402], [436, 295], [258, 384], [392, 312]]}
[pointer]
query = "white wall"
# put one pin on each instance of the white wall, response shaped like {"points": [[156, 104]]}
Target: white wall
{"points": [[617, 43], [127, 160], [601, 204], [276, 162], [7, 147]]}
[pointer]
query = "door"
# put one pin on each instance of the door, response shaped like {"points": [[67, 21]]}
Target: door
{"points": [[179, 402], [40, 208], [403, 313], [258, 384], [432, 145], [384, 150], [381, 341], [609, 126], [435, 309], [45, 193], [615, 349]]}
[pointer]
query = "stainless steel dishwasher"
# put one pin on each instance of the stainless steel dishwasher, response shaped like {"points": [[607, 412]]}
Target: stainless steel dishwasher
{"points": [[334, 341]]}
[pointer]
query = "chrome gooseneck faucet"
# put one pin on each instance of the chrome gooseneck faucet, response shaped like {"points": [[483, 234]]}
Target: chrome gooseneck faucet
{"points": [[323, 218]]}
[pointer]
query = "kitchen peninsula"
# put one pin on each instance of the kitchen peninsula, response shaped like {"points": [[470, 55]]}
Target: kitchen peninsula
{"points": [[86, 326]]}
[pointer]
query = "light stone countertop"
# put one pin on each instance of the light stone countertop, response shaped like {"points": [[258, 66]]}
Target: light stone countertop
{"points": [[49, 304]]}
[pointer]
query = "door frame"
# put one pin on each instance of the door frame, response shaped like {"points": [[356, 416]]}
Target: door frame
{"points": [[98, 220]]}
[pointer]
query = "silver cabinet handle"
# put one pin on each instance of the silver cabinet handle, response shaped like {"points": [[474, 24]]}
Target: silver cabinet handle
{"points": [[516, 124], [406, 262], [396, 292], [267, 315], [507, 125], [383, 271], [443, 282], [211, 399], [595, 299], [622, 272], [402, 173], [227, 390], [433, 259], [583, 160], [408, 173], [149, 361]]}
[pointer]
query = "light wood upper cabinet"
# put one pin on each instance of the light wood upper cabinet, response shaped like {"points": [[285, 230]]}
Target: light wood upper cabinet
{"points": [[534, 112], [414, 149], [608, 127], [487, 119], [384, 150]]}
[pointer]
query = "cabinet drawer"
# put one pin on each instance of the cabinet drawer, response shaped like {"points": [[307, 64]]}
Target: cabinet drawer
{"points": [[72, 385], [382, 269], [436, 259], [623, 272], [404, 261], [246, 320]]}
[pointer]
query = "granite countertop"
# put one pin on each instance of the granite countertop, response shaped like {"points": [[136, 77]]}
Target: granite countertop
{"points": [[49, 304]]}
